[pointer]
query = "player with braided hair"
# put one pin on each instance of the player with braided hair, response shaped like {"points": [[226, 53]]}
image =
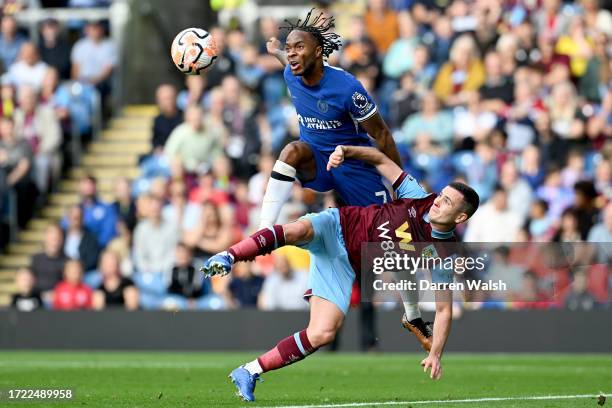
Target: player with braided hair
{"points": [[333, 109]]}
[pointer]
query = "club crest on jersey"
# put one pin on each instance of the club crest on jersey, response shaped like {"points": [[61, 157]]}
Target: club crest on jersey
{"points": [[360, 100], [412, 212], [322, 106], [430, 252]]}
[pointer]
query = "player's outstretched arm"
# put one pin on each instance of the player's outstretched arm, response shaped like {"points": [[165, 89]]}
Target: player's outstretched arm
{"points": [[378, 129], [274, 48], [371, 155], [441, 330]]}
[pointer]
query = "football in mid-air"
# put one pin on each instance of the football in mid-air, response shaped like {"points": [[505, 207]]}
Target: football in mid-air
{"points": [[193, 51]]}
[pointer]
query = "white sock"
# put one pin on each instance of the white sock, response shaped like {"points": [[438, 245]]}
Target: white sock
{"points": [[253, 367], [412, 310], [277, 193], [410, 298]]}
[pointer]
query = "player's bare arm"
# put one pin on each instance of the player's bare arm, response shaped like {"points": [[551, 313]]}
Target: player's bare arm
{"points": [[379, 131], [371, 155], [441, 330], [273, 47]]}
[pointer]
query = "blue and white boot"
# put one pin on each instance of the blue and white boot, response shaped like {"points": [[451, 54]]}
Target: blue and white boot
{"points": [[245, 383]]}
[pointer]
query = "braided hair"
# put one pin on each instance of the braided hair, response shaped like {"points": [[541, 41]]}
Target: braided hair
{"points": [[319, 27]]}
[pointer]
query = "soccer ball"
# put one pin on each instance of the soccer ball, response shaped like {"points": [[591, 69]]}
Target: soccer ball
{"points": [[193, 51]]}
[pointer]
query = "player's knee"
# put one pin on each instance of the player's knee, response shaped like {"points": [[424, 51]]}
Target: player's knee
{"points": [[298, 232], [321, 337], [293, 153]]}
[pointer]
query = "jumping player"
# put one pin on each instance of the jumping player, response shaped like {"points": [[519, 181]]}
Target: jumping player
{"points": [[333, 109], [334, 239]]}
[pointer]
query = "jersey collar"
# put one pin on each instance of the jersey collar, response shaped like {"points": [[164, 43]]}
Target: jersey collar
{"points": [[438, 234]]}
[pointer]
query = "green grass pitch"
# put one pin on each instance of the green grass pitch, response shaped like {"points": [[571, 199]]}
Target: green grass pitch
{"points": [[126, 379]]}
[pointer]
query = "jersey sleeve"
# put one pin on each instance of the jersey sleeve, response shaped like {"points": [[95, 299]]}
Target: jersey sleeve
{"points": [[406, 186], [360, 104]]}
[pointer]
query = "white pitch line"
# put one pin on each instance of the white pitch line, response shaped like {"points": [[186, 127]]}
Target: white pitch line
{"points": [[457, 401], [108, 364]]}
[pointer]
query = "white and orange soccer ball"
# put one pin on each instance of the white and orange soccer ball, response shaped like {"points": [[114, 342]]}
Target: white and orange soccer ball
{"points": [[193, 51]]}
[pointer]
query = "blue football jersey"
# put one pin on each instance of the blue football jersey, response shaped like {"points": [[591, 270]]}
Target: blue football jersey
{"points": [[329, 112]]}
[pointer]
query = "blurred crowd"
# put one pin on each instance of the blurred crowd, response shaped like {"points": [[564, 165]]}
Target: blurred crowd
{"points": [[50, 87], [512, 97]]}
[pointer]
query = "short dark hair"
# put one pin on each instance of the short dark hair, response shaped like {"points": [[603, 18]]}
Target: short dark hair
{"points": [[320, 28], [470, 197]]}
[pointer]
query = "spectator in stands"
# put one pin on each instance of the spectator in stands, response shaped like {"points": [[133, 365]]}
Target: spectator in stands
{"points": [[440, 44], [39, 126], [10, 41], [154, 242], [244, 288], [169, 116], [16, 171], [121, 245], [94, 58], [284, 287], [472, 122], [494, 222], [399, 57], [224, 65], [549, 20], [56, 97], [568, 229], [27, 298], [54, 49], [382, 25], [539, 223], [71, 293], [186, 281], [520, 194], [29, 70], [602, 231], [99, 217], [530, 165], [192, 144], [464, 72], [214, 231], [531, 296], [577, 45], [555, 194], [566, 119], [8, 104], [79, 243], [430, 123], [359, 51], [579, 297], [115, 290], [48, 265], [404, 101], [497, 92], [124, 204], [248, 69], [584, 206], [194, 94]]}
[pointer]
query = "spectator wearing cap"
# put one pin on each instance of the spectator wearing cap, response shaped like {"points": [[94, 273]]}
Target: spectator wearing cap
{"points": [[192, 144], [29, 69], [54, 49], [71, 293], [10, 41]]}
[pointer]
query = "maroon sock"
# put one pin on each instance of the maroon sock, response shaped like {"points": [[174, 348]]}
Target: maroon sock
{"points": [[287, 351], [262, 242]]}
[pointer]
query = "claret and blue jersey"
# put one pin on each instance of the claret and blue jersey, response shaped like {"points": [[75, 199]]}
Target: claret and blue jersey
{"points": [[329, 114]]}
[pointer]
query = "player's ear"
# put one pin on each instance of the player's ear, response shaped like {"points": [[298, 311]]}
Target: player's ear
{"points": [[461, 218], [318, 51]]}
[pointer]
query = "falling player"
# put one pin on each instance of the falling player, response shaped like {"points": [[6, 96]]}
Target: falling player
{"points": [[334, 239], [333, 109]]}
